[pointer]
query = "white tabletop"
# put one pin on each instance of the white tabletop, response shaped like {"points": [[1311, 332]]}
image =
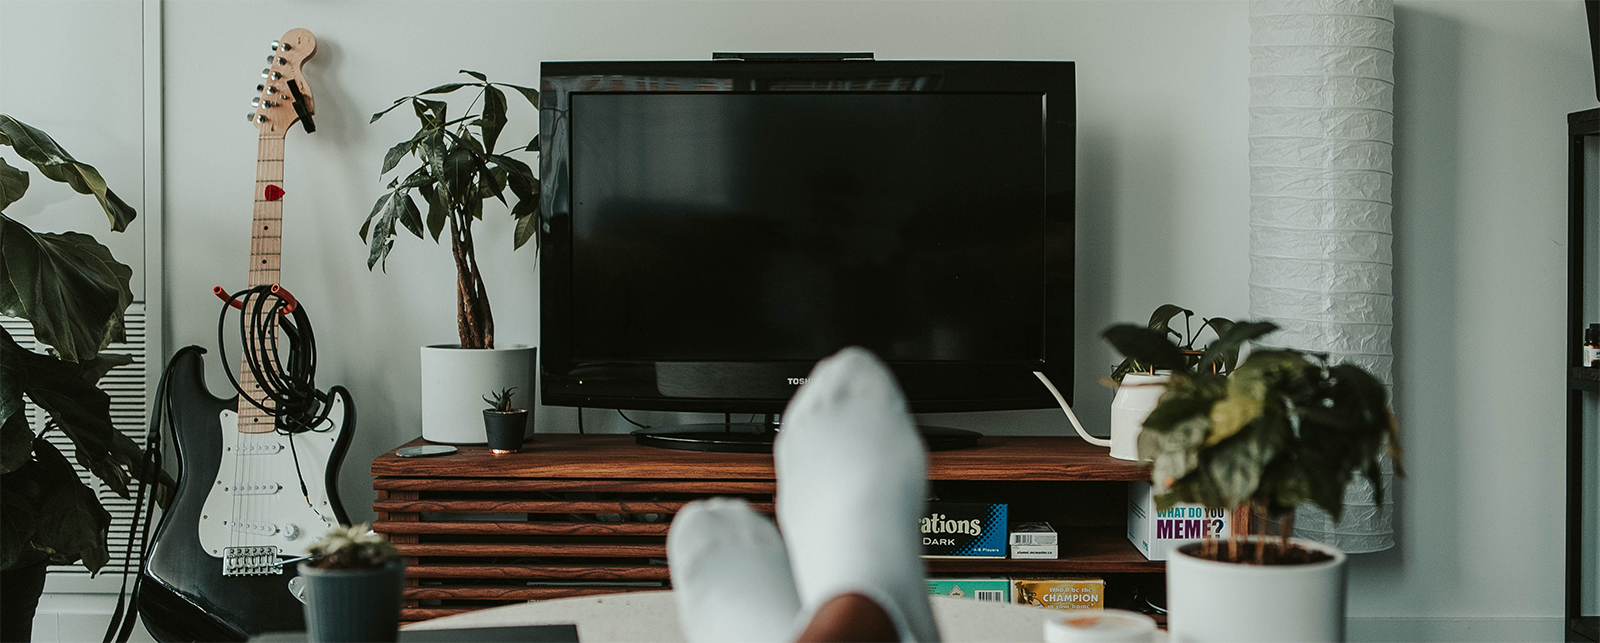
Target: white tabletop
{"points": [[653, 616]]}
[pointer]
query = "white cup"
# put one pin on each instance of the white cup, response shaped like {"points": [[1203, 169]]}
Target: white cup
{"points": [[1100, 626]]}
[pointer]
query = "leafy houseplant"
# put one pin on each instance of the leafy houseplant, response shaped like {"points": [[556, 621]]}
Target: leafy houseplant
{"points": [[353, 586], [504, 426], [458, 169], [74, 295], [1284, 429], [1140, 383]]}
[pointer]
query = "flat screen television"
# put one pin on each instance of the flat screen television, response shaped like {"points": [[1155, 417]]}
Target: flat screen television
{"points": [[712, 229]]}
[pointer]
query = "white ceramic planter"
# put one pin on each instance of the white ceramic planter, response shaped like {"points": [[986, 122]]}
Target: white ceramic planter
{"points": [[454, 381], [1211, 601], [1136, 398]]}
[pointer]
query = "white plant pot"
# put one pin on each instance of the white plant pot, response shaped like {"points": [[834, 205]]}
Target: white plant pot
{"points": [[1136, 398], [1212, 601], [455, 380]]}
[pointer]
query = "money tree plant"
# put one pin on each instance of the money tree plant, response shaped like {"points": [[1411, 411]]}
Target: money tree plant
{"points": [[74, 294], [457, 170], [1285, 428]]}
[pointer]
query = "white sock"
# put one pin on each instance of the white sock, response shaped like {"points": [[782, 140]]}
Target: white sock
{"points": [[852, 482], [730, 574]]}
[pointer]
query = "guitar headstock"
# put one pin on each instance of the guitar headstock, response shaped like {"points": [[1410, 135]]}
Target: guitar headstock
{"points": [[285, 96]]}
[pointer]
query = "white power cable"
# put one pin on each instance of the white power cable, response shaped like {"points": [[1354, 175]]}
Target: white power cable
{"points": [[1076, 426]]}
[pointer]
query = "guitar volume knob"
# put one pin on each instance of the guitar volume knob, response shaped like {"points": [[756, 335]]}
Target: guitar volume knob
{"points": [[291, 531]]}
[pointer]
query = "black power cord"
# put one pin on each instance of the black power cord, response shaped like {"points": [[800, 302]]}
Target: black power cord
{"points": [[297, 406]]}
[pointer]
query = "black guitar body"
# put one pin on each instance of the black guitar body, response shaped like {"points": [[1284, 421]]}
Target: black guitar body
{"points": [[182, 593]]}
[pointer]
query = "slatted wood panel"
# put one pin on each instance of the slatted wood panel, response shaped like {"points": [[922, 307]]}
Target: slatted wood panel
{"points": [[588, 515], [126, 385]]}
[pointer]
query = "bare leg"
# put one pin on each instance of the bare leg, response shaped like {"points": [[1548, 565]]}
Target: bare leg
{"points": [[849, 618]]}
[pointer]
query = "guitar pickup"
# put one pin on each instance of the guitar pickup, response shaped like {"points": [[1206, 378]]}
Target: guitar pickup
{"points": [[262, 448], [258, 489], [251, 561], [254, 528]]}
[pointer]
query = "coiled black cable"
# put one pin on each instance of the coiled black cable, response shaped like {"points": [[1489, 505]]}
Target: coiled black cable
{"points": [[297, 405]]}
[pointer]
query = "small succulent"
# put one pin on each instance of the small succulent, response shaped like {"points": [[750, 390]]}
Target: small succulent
{"points": [[352, 547], [500, 402]]}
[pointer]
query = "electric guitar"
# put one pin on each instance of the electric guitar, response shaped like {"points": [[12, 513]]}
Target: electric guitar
{"points": [[215, 570]]}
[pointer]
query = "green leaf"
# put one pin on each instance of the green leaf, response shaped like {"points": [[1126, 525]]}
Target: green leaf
{"points": [[410, 217], [527, 225], [13, 182], [1149, 347], [533, 145], [1225, 349], [445, 88], [367, 225], [67, 285], [475, 75], [397, 102], [1162, 319], [393, 156], [57, 165], [437, 211], [459, 167], [527, 92], [430, 112], [16, 443], [494, 116], [75, 525], [382, 234]]}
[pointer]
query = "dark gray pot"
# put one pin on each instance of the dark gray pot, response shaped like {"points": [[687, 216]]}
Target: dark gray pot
{"points": [[353, 604], [505, 429]]}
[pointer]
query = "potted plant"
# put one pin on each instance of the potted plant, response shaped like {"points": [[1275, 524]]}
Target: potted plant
{"points": [[458, 169], [504, 426], [1285, 428], [74, 295], [353, 584], [1140, 385]]}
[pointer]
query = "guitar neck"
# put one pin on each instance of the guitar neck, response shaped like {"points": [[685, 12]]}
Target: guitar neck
{"points": [[266, 247]]}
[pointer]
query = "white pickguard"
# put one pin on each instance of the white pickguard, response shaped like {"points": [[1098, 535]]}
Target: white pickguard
{"points": [[256, 501]]}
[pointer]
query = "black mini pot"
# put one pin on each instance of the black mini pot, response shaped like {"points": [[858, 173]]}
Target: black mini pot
{"points": [[505, 429]]}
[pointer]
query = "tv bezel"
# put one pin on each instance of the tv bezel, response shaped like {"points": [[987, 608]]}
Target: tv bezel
{"points": [[766, 386]]}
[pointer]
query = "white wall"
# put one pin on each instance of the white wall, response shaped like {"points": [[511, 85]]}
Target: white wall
{"points": [[1483, 92]]}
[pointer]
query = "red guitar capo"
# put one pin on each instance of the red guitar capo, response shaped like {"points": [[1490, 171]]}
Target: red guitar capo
{"points": [[276, 290]]}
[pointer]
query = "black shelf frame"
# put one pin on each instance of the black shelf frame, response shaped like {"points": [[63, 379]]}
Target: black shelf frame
{"points": [[1581, 380]]}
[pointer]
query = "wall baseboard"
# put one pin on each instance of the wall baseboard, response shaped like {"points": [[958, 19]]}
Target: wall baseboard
{"points": [[67, 618], [1508, 629]]}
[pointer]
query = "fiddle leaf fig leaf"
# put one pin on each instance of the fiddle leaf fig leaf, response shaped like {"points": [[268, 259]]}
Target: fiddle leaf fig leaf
{"points": [[16, 443], [13, 182], [16, 531], [75, 525], [67, 285], [57, 165]]}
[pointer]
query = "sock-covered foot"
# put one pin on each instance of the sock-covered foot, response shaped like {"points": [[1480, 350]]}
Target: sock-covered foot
{"points": [[730, 574], [851, 486]]}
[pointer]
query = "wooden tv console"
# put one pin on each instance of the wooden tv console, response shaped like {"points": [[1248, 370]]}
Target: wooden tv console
{"points": [[577, 515]]}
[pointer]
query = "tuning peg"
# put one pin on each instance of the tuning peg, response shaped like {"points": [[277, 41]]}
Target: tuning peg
{"points": [[270, 75], [280, 46], [255, 102], [283, 61], [261, 118], [255, 118], [271, 59]]}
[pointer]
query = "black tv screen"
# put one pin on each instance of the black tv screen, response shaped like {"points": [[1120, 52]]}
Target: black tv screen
{"points": [[712, 229], [734, 227]]}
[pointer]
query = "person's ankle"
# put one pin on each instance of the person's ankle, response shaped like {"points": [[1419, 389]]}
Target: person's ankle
{"points": [[850, 618]]}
